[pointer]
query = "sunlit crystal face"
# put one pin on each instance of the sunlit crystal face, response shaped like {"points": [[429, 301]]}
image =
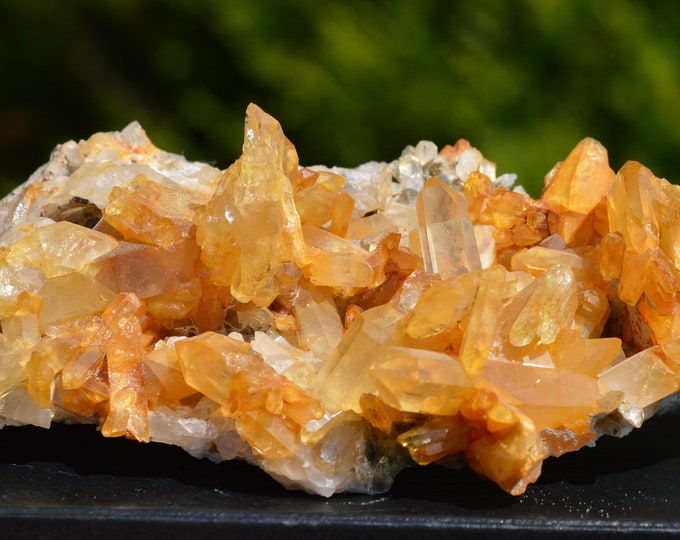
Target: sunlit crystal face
{"points": [[336, 325]]}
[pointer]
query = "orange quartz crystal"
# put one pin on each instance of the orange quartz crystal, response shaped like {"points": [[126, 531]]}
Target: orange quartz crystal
{"points": [[334, 326]]}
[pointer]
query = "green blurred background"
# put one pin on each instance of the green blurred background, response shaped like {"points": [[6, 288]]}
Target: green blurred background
{"points": [[523, 80]]}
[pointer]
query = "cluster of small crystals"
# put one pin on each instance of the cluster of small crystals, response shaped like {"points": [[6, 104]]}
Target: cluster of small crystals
{"points": [[334, 326]]}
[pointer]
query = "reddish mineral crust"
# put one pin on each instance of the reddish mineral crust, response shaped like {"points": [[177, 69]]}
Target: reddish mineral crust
{"points": [[334, 326]]}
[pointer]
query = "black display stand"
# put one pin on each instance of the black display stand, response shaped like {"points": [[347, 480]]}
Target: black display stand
{"points": [[69, 482]]}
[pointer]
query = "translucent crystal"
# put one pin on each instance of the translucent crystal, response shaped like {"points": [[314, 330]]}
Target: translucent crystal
{"points": [[334, 261], [344, 378], [316, 196], [128, 413], [251, 225], [420, 381], [71, 296], [446, 235], [318, 319], [334, 326], [59, 248], [549, 309], [152, 213], [481, 327], [630, 207], [643, 379], [581, 181]]}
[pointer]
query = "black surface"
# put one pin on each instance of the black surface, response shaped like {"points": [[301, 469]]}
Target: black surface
{"points": [[69, 482]]}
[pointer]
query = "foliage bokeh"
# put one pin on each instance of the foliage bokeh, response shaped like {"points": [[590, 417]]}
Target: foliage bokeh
{"points": [[523, 80]]}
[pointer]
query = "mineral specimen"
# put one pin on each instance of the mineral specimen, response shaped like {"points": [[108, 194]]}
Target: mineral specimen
{"points": [[334, 326]]}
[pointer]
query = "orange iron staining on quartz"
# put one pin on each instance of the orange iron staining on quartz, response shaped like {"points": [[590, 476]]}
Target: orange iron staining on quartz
{"points": [[334, 325]]}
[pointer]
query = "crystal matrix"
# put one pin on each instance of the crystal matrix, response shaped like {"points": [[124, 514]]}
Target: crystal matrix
{"points": [[331, 325]]}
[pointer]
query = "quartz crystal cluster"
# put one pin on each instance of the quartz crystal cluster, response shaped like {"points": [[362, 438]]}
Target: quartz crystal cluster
{"points": [[334, 326]]}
